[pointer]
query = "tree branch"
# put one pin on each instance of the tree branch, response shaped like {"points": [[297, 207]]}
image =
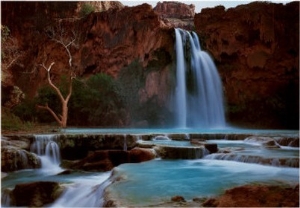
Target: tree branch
{"points": [[46, 107], [50, 81]]}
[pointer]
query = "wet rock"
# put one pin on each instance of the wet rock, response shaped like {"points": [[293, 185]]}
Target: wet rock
{"points": [[264, 141], [65, 172], [177, 199], [172, 152], [16, 159], [105, 160], [36, 194], [74, 147], [137, 155], [257, 196], [212, 148], [288, 141]]}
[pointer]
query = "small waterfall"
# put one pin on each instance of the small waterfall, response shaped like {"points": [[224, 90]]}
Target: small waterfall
{"points": [[278, 162], [198, 96], [85, 194], [161, 138], [47, 149], [125, 143]]}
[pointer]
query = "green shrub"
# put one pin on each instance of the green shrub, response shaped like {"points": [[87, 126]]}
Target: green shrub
{"points": [[131, 79], [11, 122], [95, 102], [86, 9]]}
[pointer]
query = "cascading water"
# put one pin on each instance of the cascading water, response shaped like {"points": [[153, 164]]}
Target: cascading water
{"points": [[198, 95], [47, 149]]}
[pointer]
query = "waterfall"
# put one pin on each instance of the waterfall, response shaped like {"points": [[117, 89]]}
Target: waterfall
{"points": [[125, 143], [198, 98], [47, 149]]}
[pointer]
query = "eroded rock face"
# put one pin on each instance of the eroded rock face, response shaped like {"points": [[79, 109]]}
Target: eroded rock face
{"points": [[99, 6], [173, 9], [15, 155], [256, 49], [176, 14]]}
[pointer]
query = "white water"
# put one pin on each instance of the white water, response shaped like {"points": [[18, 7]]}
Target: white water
{"points": [[161, 138], [198, 95], [88, 192], [48, 150]]}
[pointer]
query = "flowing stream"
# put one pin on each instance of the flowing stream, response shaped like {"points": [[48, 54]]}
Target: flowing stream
{"points": [[82, 189]]}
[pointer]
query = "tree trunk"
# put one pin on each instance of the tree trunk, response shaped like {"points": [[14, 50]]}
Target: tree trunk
{"points": [[64, 117]]}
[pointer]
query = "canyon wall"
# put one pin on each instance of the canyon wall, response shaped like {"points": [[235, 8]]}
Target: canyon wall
{"points": [[255, 47], [256, 50]]}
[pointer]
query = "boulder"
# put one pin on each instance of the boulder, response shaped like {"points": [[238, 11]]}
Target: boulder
{"points": [[35, 194], [13, 159], [137, 155]]}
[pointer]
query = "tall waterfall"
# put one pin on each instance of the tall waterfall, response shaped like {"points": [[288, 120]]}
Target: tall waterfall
{"points": [[198, 95]]}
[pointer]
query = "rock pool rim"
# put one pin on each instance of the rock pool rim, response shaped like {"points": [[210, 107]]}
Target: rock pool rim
{"points": [[225, 131]]}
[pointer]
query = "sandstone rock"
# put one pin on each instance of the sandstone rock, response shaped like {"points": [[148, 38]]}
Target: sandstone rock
{"points": [[35, 194], [257, 196], [176, 14], [100, 6], [175, 10]]}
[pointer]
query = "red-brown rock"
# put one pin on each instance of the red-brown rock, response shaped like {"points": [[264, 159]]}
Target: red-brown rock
{"points": [[257, 196], [256, 49], [141, 154], [176, 14], [173, 9]]}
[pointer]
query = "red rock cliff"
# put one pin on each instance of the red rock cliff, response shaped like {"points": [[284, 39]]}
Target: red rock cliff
{"points": [[256, 49], [255, 46]]}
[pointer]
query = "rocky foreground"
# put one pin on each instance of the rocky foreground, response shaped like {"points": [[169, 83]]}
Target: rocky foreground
{"points": [[104, 152], [244, 196]]}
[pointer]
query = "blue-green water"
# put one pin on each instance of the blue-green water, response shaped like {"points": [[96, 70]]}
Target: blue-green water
{"points": [[156, 181]]}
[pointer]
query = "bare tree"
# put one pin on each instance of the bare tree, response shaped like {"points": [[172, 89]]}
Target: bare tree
{"points": [[63, 38]]}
